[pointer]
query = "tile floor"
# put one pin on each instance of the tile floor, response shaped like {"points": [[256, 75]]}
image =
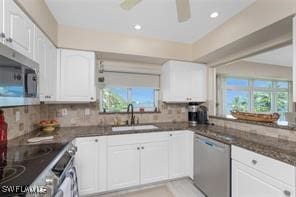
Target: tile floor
{"points": [[177, 188]]}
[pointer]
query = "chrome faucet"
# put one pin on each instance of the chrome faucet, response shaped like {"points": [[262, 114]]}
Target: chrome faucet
{"points": [[132, 120]]}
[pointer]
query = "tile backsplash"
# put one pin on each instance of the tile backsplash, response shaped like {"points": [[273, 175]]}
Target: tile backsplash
{"points": [[24, 119], [21, 120], [88, 114], [282, 134]]}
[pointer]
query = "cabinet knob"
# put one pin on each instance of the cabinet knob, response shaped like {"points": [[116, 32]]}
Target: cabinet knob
{"points": [[2, 35], [138, 148], [91, 98], [171, 135], [96, 140], [9, 40], [142, 147], [254, 161], [287, 193]]}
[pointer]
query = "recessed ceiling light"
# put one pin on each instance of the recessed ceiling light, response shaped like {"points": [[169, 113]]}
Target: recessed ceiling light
{"points": [[214, 15], [138, 27]]}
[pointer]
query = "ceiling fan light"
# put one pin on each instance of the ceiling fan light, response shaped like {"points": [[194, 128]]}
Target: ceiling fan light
{"points": [[214, 15], [137, 27]]}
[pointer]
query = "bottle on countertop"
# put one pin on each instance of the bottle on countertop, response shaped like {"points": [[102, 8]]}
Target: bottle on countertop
{"points": [[3, 128]]}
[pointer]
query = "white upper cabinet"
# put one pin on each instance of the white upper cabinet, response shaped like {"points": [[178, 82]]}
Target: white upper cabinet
{"points": [[1, 21], [294, 59], [184, 82], [45, 54], [18, 29], [77, 76]]}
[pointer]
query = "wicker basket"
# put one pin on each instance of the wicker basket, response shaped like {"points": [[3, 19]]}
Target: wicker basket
{"points": [[268, 118]]}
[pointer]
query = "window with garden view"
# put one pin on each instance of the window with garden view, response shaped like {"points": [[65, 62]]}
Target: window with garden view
{"points": [[255, 95], [116, 99]]}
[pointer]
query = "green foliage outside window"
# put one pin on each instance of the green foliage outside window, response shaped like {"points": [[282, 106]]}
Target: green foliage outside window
{"points": [[113, 101]]}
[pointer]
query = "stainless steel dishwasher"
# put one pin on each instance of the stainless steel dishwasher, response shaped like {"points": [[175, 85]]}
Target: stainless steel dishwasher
{"points": [[212, 167]]}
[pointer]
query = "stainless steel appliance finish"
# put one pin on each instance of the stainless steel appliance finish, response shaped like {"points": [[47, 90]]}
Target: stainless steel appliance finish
{"points": [[53, 176], [212, 167], [197, 114], [192, 113], [18, 78]]}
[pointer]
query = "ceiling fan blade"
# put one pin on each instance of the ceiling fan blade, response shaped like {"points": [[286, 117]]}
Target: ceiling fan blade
{"points": [[183, 10], [129, 4]]}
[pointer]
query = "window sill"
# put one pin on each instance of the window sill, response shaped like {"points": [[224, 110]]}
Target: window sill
{"points": [[146, 112]]}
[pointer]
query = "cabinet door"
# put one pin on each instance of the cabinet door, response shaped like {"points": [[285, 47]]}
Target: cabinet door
{"points": [[77, 74], [51, 71], [178, 154], [294, 59], [181, 82], [154, 162], [40, 50], [87, 164], [248, 182], [198, 83], [123, 166], [2, 35], [19, 29], [45, 54]]}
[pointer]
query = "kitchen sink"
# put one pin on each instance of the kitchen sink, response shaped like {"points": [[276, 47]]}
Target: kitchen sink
{"points": [[133, 128]]}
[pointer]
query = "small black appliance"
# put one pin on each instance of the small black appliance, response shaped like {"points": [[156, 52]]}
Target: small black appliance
{"points": [[197, 114]]}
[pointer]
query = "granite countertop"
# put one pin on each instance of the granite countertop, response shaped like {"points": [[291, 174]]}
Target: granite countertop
{"points": [[278, 149]]}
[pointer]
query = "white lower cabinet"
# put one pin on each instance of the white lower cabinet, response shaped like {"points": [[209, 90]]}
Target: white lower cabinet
{"points": [[254, 175], [90, 162], [120, 161], [123, 166], [146, 158], [154, 162], [179, 154], [247, 182]]}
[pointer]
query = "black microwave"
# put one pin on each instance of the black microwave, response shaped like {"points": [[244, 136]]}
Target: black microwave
{"points": [[18, 78]]}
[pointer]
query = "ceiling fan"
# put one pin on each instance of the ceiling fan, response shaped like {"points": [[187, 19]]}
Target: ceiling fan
{"points": [[183, 8]]}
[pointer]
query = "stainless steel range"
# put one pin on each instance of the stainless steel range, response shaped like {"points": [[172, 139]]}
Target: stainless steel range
{"points": [[41, 166]]}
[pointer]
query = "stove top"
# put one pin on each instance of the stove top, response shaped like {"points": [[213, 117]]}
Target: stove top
{"points": [[21, 165]]}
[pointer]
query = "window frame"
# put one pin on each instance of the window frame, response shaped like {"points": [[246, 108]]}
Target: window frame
{"points": [[129, 99], [222, 90]]}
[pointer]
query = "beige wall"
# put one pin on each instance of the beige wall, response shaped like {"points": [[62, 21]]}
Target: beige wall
{"points": [[40, 14], [256, 70], [260, 14], [85, 39]]}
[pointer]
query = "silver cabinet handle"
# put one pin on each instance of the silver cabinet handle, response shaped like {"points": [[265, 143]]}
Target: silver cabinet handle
{"points": [[2, 35], [287, 193], [9, 40], [254, 161]]}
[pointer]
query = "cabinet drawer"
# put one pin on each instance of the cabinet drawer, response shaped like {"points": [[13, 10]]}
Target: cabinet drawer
{"points": [[125, 139], [274, 168]]}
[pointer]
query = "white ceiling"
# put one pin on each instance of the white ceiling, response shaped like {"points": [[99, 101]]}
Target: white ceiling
{"points": [[281, 56], [157, 17]]}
